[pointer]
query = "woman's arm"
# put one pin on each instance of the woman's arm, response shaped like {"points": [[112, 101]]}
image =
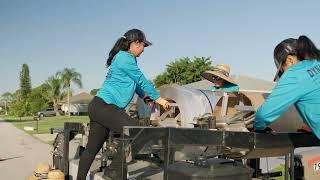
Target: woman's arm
{"points": [[130, 67], [287, 92], [140, 92]]}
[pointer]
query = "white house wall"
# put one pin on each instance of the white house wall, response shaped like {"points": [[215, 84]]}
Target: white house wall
{"points": [[75, 108]]}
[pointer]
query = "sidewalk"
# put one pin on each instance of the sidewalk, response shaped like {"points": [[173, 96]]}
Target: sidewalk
{"points": [[20, 152], [45, 137]]}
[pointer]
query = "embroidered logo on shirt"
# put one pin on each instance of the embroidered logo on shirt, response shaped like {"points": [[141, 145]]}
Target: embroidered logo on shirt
{"points": [[314, 71]]}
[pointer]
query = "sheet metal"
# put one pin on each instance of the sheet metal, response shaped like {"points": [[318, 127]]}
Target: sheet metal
{"points": [[192, 103]]}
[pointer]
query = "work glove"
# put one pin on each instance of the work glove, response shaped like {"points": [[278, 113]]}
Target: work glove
{"points": [[164, 103]]}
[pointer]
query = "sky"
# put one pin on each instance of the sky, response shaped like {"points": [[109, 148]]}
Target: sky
{"points": [[52, 35]]}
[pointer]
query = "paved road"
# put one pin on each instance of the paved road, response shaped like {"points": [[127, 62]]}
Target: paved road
{"points": [[19, 152]]}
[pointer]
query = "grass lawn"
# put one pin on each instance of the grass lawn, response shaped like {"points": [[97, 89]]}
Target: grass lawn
{"points": [[279, 168], [44, 124]]}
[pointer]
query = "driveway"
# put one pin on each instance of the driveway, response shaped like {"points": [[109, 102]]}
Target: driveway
{"points": [[20, 152]]}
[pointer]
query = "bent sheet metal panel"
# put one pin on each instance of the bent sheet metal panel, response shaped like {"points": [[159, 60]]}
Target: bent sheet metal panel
{"points": [[192, 103]]}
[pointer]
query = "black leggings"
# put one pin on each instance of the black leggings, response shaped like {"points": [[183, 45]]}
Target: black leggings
{"points": [[103, 118]]}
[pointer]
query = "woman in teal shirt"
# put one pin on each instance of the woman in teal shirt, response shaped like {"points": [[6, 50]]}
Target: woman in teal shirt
{"points": [[220, 77], [124, 78], [297, 61]]}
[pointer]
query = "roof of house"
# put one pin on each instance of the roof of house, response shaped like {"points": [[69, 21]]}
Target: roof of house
{"points": [[245, 83], [81, 98]]}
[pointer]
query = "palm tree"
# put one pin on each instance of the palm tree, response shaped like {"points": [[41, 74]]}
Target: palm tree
{"points": [[6, 97], [67, 77], [53, 86]]}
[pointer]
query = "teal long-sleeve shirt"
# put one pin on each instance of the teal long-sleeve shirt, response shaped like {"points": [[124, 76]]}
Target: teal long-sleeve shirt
{"points": [[299, 86], [227, 87], [123, 79]]}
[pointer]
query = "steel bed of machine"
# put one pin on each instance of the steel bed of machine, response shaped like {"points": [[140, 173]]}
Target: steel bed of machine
{"points": [[248, 146]]}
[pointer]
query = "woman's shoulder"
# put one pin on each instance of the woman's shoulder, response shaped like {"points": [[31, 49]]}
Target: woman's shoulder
{"points": [[305, 64], [304, 67], [123, 56]]}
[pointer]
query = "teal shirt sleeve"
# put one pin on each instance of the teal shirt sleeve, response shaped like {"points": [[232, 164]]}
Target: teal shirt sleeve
{"points": [[286, 93], [130, 67], [139, 91]]}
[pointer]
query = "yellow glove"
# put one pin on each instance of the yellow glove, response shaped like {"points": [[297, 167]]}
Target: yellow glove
{"points": [[164, 103]]}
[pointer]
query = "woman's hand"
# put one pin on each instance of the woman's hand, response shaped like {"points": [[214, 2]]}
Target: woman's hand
{"points": [[164, 103]]}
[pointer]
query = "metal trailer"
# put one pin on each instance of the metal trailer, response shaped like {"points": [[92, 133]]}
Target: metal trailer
{"points": [[168, 140], [220, 130]]}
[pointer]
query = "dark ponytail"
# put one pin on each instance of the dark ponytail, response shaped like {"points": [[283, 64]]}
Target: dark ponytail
{"points": [[122, 44], [306, 49]]}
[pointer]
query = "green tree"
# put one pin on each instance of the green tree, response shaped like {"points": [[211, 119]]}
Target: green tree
{"points": [[54, 91], [17, 95], [162, 79], [93, 92], [38, 99], [184, 71], [6, 98], [69, 76], [21, 106], [18, 108], [25, 82]]}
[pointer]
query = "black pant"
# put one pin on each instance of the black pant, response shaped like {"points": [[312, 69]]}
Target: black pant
{"points": [[103, 118]]}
